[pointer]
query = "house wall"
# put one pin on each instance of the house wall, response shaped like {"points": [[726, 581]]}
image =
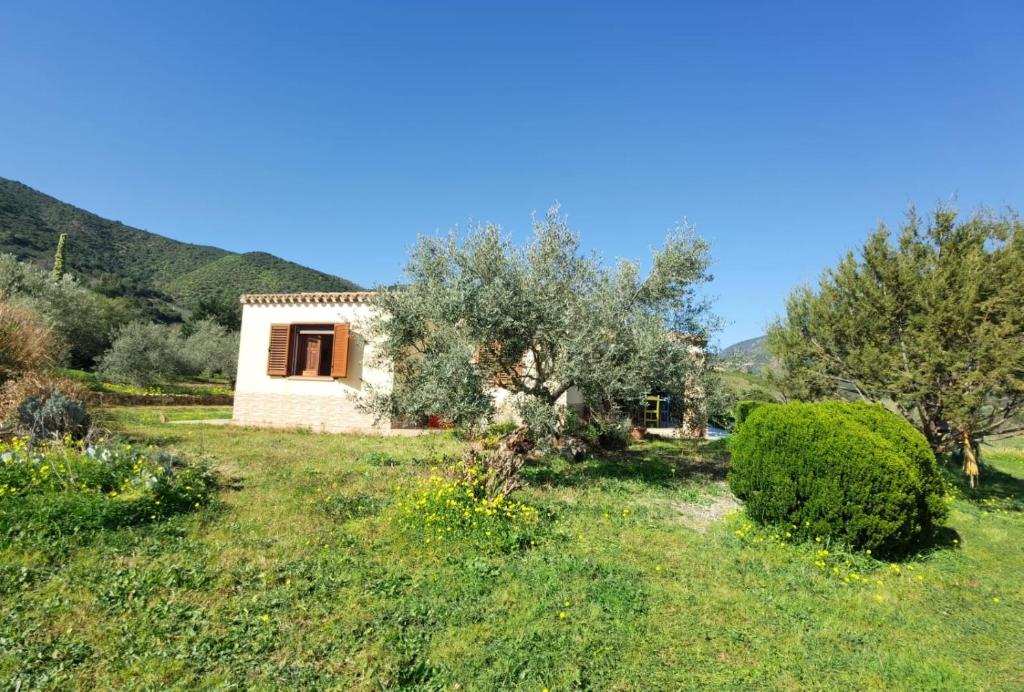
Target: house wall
{"points": [[325, 404], [322, 405]]}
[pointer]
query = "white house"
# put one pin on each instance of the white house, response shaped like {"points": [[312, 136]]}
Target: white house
{"points": [[304, 361]]}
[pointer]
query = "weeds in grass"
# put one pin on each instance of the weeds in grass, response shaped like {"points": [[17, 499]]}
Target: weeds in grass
{"points": [[59, 489], [446, 507]]}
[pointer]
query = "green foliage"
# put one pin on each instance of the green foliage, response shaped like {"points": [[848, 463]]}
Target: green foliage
{"points": [[380, 459], [750, 356], [143, 354], [210, 350], [613, 435], [543, 319], [156, 277], [852, 472], [54, 416], [58, 258], [733, 386], [285, 590], [744, 408], [60, 490], [227, 312], [933, 325], [447, 509], [80, 319]]}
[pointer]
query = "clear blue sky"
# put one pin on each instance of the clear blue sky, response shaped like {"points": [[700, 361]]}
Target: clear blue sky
{"points": [[333, 134]]}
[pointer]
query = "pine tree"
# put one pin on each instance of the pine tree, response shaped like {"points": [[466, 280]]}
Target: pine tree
{"points": [[931, 326], [58, 258]]}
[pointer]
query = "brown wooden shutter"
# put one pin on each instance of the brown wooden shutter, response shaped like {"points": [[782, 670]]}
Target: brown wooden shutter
{"points": [[279, 351], [339, 357]]}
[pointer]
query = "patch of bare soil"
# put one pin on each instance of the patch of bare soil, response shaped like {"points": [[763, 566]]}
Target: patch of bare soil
{"points": [[700, 516]]}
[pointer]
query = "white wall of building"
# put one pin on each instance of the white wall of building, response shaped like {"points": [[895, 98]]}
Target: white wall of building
{"points": [[321, 404]]}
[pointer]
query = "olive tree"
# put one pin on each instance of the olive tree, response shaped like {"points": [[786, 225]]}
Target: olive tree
{"points": [[543, 318], [931, 325]]}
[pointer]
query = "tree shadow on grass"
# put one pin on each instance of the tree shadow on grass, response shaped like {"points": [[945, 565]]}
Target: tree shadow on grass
{"points": [[657, 463], [996, 488]]}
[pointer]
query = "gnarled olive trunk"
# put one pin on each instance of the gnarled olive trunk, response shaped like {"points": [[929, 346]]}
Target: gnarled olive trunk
{"points": [[501, 466]]}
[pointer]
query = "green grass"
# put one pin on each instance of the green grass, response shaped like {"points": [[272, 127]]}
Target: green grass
{"points": [[197, 386], [298, 577]]}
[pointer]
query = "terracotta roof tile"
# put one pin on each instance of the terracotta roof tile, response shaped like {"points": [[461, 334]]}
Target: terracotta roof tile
{"points": [[300, 298]]}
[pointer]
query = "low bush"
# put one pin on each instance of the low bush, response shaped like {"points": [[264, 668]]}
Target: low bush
{"points": [[60, 489], [54, 416], [614, 435], [448, 508], [26, 344], [42, 404], [850, 471], [575, 426]]}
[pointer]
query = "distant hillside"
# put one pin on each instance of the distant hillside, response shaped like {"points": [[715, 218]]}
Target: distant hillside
{"points": [[116, 259], [749, 356]]}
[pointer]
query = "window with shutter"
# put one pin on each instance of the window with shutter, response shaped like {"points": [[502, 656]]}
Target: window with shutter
{"points": [[278, 354], [339, 358]]}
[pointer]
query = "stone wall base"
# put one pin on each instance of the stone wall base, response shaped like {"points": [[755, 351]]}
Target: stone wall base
{"points": [[331, 414]]}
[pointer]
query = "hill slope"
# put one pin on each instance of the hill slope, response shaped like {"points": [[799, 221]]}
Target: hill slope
{"points": [[750, 356], [121, 260]]}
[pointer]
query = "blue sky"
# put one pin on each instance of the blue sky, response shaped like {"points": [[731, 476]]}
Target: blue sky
{"points": [[332, 134]]}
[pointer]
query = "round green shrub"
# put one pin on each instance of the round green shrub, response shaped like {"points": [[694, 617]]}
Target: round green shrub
{"points": [[853, 472]]}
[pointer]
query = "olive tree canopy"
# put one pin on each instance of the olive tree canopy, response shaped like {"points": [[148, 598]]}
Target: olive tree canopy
{"points": [[477, 309]]}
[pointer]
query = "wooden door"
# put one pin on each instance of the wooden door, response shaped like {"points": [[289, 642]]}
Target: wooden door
{"points": [[311, 352]]}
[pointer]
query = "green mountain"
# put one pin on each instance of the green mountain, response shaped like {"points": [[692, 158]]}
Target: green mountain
{"points": [[750, 356], [166, 276]]}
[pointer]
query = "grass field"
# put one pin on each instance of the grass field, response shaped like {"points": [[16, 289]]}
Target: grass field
{"points": [[298, 577]]}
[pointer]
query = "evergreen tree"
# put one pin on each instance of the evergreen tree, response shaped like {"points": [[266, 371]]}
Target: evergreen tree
{"points": [[932, 326], [58, 258]]}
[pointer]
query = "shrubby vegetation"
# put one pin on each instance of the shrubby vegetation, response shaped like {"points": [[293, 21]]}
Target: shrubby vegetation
{"points": [[210, 350], [145, 353], [142, 353], [40, 404], [25, 343], [744, 408], [932, 325], [852, 472], [62, 489], [80, 320], [54, 415]]}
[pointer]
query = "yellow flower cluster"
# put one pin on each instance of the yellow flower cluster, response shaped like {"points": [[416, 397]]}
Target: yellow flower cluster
{"points": [[457, 507]]}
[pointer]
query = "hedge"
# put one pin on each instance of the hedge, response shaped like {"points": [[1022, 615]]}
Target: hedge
{"points": [[851, 471]]}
